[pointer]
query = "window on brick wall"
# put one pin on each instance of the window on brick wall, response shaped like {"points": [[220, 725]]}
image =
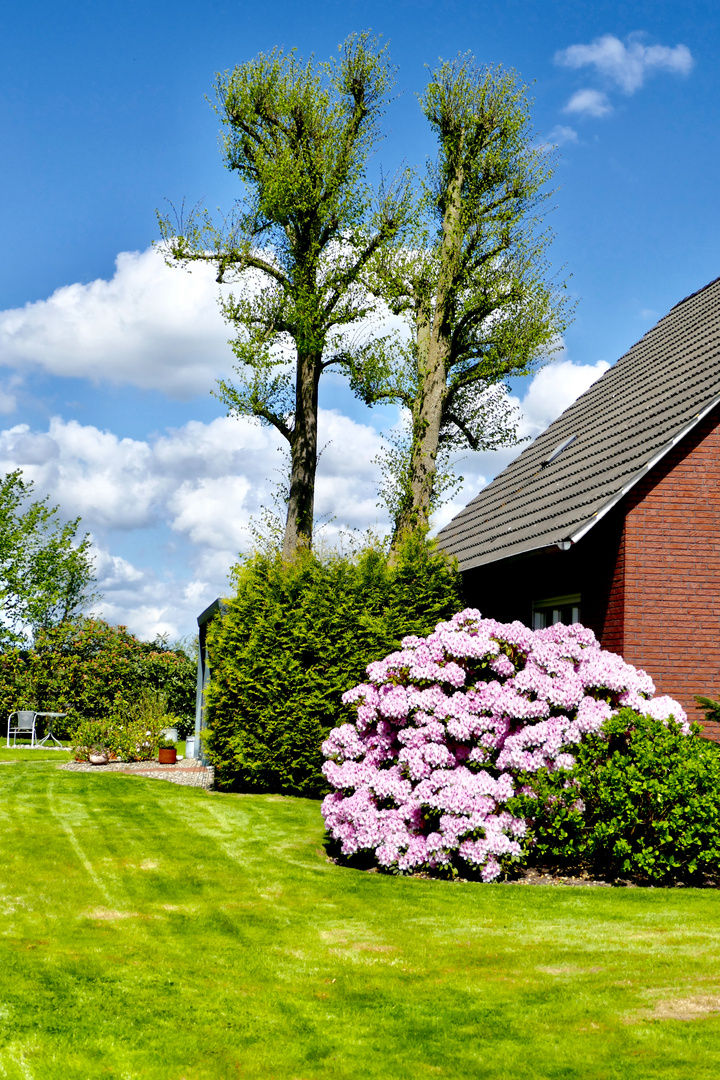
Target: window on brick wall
{"points": [[555, 609]]}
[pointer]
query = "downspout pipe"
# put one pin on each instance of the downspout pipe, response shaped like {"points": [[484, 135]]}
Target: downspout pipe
{"points": [[218, 607]]}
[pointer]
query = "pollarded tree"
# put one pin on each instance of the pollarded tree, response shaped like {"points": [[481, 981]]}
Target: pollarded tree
{"points": [[298, 135], [472, 281]]}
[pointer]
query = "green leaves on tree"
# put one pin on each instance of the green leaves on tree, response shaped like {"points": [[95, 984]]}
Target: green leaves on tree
{"points": [[470, 278], [45, 572], [298, 134]]}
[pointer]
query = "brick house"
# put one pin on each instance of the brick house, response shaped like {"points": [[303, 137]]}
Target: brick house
{"points": [[611, 517]]}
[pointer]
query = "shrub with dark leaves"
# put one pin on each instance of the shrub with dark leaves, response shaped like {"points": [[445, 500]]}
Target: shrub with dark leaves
{"points": [[642, 802]]}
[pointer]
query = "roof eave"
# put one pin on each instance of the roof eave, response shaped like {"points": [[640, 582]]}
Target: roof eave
{"points": [[517, 554], [615, 499], [565, 543]]}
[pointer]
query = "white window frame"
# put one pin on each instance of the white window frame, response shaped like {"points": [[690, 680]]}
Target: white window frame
{"points": [[553, 606]]}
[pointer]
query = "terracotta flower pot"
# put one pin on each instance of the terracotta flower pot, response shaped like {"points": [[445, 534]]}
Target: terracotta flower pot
{"points": [[167, 756]]}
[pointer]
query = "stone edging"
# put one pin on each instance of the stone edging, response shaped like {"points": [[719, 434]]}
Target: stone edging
{"points": [[187, 773]]}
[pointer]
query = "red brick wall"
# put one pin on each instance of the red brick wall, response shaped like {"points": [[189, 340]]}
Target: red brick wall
{"points": [[610, 624], [669, 560], [649, 574]]}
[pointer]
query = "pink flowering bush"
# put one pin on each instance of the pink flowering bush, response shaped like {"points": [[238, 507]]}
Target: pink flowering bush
{"points": [[448, 730]]}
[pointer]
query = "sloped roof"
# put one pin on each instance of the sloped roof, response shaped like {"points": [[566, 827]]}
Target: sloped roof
{"points": [[623, 425]]}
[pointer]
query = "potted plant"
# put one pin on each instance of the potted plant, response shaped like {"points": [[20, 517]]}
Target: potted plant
{"points": [[99, 755], [167, 752]]}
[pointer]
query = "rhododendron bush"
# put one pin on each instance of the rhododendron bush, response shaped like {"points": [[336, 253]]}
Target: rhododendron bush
{"points": [[453, 726]]}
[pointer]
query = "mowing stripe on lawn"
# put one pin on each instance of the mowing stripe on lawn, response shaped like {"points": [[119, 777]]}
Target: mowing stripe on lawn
{"points": [[15, 1055], [68, 830]]}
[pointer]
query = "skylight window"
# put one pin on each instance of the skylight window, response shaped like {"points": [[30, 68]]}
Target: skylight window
{"points": [[558, 451]]}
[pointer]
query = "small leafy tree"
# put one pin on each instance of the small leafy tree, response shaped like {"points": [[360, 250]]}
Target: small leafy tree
{"points": [[298, 135], [45, 572], [91, 670], [472, 281]]}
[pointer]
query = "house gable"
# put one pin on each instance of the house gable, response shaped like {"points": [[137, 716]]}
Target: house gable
{"points": [[670, 557], [603, 446]]}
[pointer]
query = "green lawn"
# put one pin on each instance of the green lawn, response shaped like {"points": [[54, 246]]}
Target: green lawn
{"points": [[161, 932], [42, 753], [35, 753]]}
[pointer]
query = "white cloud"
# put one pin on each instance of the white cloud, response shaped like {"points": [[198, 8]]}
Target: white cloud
{"points": [[8, 400], [113, 571], [626, 64], [150, 325], [199, 485], [589, 102], [213, 512], [146, 603], [203, 480], [562, 134], [125, 484], [553, 389], [169, 514]]}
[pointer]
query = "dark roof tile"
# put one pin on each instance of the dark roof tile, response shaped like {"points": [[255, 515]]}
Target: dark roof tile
{"points": [[624, 423]]}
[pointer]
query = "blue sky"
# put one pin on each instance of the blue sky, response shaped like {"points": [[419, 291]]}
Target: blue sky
{"points": [[107, 359]]}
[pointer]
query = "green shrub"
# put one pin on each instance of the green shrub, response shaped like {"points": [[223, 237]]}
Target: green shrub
{"points": [[710, 707], [643, 801], [294, 638], [94, 736], [88, 669], [135, 734]]}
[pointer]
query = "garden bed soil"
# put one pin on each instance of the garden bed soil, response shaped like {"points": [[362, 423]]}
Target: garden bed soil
{"points": [[534, 876], [547, 876]]}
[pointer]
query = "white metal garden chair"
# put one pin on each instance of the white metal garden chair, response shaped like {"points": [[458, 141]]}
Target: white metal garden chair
{"points": [[24, 725]]}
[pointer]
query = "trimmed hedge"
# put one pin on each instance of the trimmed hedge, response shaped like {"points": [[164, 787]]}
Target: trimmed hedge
{"points": [[294, 639], [642, 802], [92, 670]]}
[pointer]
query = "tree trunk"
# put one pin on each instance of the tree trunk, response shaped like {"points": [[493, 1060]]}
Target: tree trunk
{"points": [[303, 454], [415, 514], [433, 351]]}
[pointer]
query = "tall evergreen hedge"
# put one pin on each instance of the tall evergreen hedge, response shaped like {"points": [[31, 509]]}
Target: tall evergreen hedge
{"points": [[295, 637]]}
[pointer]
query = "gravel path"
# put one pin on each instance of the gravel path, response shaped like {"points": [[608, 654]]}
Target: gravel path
{"points": [[189, 773]]}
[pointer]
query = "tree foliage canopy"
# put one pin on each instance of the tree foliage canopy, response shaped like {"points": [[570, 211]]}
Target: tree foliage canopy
{"points": [[45, 572], [298, 135], [471, 279], [91, 670]]}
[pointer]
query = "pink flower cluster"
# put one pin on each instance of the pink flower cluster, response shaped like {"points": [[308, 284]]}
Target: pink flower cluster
{"points": [[446, 727]]}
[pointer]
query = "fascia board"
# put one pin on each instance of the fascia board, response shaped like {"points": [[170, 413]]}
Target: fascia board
{"points": [[211, 610], [544, 546]]}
